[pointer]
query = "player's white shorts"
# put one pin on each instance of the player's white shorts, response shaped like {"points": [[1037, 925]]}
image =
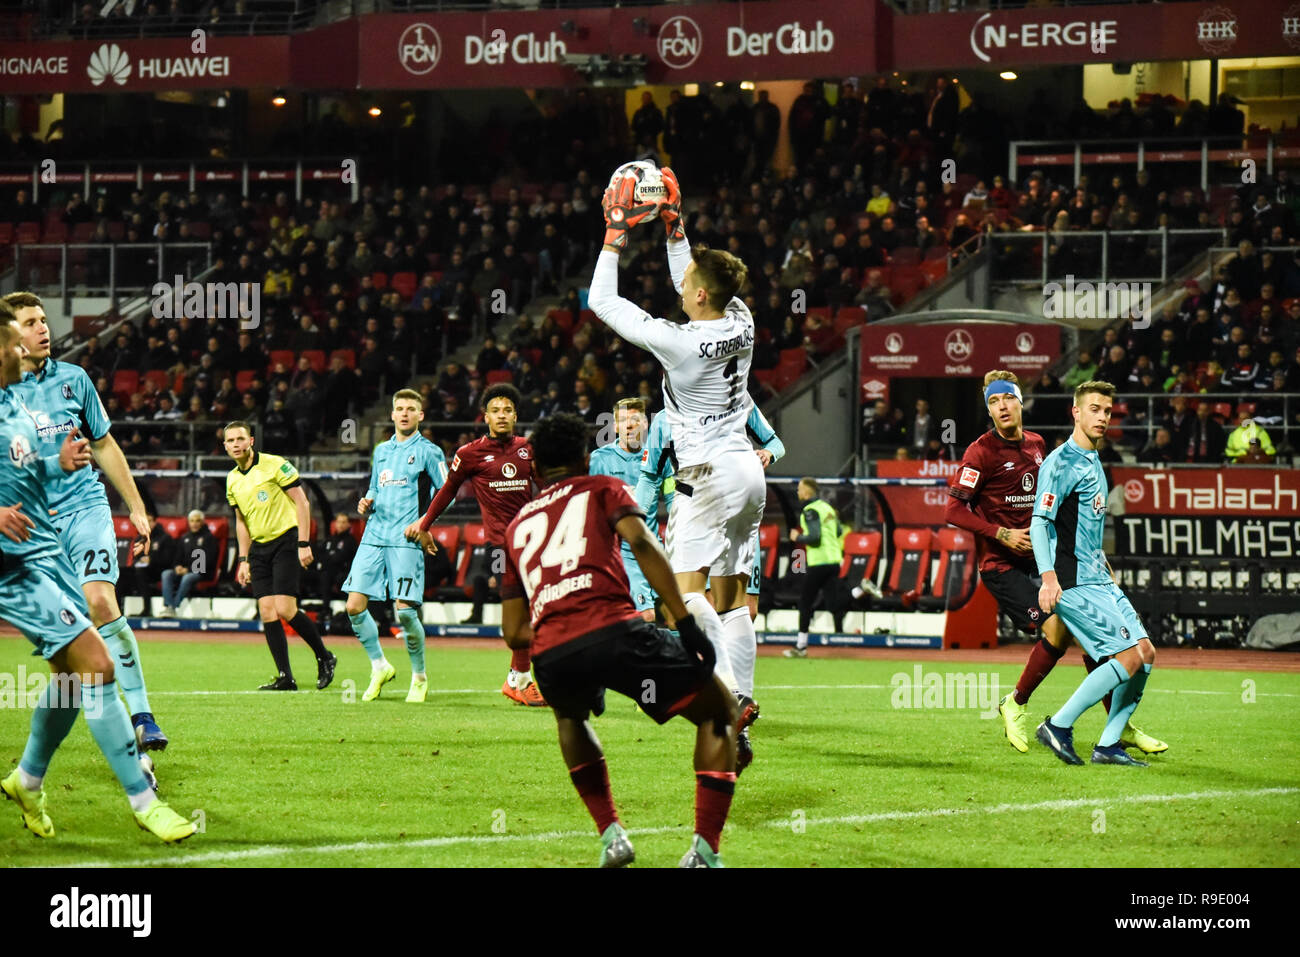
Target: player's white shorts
{"points": [[716, 511]]}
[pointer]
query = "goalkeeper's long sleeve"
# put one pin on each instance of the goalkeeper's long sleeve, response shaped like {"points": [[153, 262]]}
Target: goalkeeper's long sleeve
{"points": [[659, 336], [679, 257]]}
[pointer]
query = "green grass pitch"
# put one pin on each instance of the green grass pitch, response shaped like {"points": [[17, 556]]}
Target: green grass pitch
{"points": [[842, 777]]}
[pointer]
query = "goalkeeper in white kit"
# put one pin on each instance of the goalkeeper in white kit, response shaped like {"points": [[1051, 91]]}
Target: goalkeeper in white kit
{"points": [[720, 494]]}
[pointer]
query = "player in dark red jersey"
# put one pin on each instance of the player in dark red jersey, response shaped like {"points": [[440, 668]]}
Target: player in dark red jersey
{"points": [[500, 467], [588, 636], [993, 497]]}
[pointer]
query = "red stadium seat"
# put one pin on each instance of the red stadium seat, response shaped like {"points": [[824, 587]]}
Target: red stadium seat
{"points": [[6, 233], [934, 270], [125, 382], [117, 231], [563, 319], [1223, 410], [475, 539], [349, 357], [1246, 408], [176, 525], [124, 532], [244, 379], [769, 542], [83, 233], [861, 556], [380, 279], [28, 233], [500, 375], [909, 566], [56, 232], [908, 281], [905, 256], [448, 538], [936, 252], [848, 318], [954, 580], [316, 358], [405, 284], [201, 230], [284, 357], [159, 378]]}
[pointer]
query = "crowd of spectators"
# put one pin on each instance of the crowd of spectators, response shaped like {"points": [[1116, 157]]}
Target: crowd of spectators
{"points": [[381, 292]]}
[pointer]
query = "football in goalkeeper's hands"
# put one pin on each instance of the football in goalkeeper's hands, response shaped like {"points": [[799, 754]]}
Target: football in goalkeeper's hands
{"points": [[649, 184]]}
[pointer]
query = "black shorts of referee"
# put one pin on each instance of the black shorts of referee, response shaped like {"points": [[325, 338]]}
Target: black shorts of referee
{"points": [[273, 566]]}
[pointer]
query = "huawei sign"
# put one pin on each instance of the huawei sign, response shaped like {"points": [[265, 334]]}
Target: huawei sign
{"points": [[109, 62]]}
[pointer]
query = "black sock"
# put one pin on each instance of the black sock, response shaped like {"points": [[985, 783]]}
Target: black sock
{"points": [[279, 646], [306, 629]]}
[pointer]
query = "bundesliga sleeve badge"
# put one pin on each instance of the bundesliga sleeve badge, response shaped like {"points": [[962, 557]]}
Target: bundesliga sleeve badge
{"points": [[969, 477]]}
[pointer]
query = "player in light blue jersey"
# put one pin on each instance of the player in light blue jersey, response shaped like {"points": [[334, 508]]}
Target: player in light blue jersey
{"points": [[405, 472], [1078, 584], [64, 398], [737, 659], [622, 459], [40, 596]]}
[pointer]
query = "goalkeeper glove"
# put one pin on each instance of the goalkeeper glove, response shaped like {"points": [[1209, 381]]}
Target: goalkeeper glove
{"points": [[670, 210], [697, 643], [622, 211]]}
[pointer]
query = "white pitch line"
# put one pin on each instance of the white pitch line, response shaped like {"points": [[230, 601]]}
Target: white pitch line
{"points": [[217, 857]]}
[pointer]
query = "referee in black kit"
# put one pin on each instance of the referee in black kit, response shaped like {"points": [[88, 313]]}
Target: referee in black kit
{"points": [[273, 525]]}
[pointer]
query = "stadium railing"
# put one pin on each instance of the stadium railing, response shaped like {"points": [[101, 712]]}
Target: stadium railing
{"points": [[1035, 263], [1144, 151], [62, 270], [271, 172]]}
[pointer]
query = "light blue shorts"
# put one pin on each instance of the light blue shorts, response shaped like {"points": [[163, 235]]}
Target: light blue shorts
{"points": [[42, 598], [89, 542], [387, 573], [643, 596], [1102, 619]]}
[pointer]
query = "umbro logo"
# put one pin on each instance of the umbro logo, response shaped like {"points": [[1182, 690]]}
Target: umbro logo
{"points": [[1008, 465], [488, 458]]}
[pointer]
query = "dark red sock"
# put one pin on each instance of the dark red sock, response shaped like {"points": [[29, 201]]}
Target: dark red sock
{"points": [[713, 792], [1090, 666], [521, 659], [1042, 659], [592, 782]]}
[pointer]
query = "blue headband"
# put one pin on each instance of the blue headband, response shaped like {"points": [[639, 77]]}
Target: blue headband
{"points": [[998, 386]]}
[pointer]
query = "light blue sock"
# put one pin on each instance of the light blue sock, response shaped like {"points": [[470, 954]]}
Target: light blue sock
{"points": [[1122, 707], [367, 633], [55, 714], [414, 628], [121, 642], [1093, 688], [111, 729]]}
